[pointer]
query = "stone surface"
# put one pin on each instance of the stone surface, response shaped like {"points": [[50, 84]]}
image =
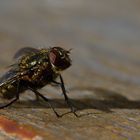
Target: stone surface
{"points": [[103, 82]]}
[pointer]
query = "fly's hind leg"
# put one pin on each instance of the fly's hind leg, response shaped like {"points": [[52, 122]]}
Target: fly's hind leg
{"points": [[37, 97], [45, 99], [17, 97]]}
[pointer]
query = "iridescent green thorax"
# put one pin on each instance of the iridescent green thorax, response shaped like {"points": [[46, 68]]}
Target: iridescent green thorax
{"points": [[33, 59]]}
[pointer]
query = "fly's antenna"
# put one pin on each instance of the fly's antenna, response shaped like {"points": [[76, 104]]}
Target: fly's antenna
{"points": [[69, 51]]}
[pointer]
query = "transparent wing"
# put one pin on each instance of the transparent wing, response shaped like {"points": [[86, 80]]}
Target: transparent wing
{"points": [[8, 77], [23, 51], [13, 73]]}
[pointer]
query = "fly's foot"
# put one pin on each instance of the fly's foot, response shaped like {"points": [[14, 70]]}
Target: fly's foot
{"points": [[57, 115], [73, 108]]}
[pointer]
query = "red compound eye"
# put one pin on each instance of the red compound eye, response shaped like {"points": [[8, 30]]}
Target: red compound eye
{"points": [[59, 58], [52, 57]]}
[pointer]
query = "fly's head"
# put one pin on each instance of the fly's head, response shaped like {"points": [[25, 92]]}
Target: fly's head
{"points": [[59, 58]]}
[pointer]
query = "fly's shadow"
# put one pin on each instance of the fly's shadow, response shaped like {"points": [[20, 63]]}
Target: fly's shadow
{"points": [[105, 100]]}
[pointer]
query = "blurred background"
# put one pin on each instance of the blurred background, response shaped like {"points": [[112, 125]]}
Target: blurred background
{"points": [[104, 36], [104, 78]]}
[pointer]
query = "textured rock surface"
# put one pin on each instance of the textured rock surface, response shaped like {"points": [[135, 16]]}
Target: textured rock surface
{"points": [[103, 81]]}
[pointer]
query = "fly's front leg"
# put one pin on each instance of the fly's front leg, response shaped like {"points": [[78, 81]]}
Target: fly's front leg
{"points": [[73, 109], [55, 83]]}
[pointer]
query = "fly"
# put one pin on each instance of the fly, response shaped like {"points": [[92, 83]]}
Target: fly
{"points": [[34, 69]]}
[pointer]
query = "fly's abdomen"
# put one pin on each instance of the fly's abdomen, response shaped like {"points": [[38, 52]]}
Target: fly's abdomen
{"points": [[9, 90]]}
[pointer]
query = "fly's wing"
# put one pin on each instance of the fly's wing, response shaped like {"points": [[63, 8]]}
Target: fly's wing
{"points": [[8, 77], [13, 74], [24, 51], [9, 81]]}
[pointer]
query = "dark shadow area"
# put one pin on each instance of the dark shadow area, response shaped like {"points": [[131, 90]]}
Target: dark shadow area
{"points": [[105, 101]]}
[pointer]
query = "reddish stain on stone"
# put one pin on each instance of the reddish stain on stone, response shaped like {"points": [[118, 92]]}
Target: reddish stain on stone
{"points": [[13, 128]]}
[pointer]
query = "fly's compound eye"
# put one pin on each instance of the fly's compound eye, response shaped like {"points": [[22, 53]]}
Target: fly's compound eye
{"points": [[59, 58]]}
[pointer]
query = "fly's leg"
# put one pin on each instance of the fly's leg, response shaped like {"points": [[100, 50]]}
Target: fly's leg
{"points": [[37, 97], [73, 110], [17, 97], [57, 83], [45, 99]]}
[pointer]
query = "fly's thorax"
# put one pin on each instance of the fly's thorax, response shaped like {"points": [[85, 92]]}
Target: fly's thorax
{"points": [[33, 59], [27, 61], [36, 73]]}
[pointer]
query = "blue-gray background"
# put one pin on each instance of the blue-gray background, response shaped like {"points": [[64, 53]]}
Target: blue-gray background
{"points": [[104, 35]]}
